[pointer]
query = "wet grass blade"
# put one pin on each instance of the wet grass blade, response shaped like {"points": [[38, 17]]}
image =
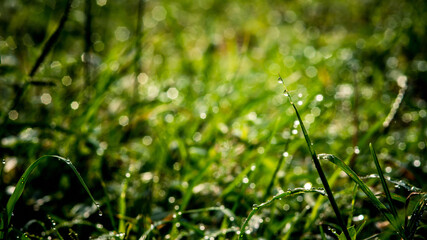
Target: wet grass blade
{"points": [[383, 182], [397, 183], [318, 166], [19, 189], [371, 196], [411, 227], [286, 194]]}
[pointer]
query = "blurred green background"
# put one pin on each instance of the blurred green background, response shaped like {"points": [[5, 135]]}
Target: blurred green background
{"points": [[171, 101]]}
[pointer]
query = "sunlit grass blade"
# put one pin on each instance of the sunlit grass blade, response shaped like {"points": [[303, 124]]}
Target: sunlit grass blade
{"points": [[383, 182], [371, 196], [286, 194], [19, 189], [318, 166]]}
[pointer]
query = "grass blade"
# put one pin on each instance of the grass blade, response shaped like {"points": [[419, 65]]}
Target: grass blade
{"points": [[122, 204], [411, 227], [19, 189], [381, 207], [397, 183], [318, 167], [383, 182], [286, 194]]}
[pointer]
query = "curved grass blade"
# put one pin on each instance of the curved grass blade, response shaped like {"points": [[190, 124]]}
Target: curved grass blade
{"points": [[318, 166], [288, 193], [383, 182], [19, 189], [381, 207]]}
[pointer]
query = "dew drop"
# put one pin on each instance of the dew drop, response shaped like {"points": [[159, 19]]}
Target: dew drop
{"points": [[255, 206], [100, 213], [3, 161], [280, 81]]}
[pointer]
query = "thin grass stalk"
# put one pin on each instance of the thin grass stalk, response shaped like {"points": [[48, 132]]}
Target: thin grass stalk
{"points": [[122, 204], [318, 167], [383, 181]]}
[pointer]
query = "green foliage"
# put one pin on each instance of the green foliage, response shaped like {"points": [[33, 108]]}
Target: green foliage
{"points": [[181, 95]]}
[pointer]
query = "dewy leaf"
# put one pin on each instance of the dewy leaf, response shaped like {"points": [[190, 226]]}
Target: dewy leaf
{"points": [[19, 189], [383, 209]]}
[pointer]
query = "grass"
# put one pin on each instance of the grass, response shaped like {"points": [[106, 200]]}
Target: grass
{"points": [[171, 115]]}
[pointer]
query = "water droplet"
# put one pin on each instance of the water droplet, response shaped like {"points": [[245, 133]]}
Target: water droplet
{"points": [[3, 161], [280, 81], [255, 206], [100, 213]]}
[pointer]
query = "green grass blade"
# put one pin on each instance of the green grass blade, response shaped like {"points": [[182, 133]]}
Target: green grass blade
{"points": [[397, 183], [416, 215], [353, 201], [19, 189], [286, 194], [318, 167], [381, 207], [383, 182], [352, 232], [122, 204]]}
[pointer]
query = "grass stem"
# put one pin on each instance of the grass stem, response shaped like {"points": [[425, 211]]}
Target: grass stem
{"points": [[318, 167]]}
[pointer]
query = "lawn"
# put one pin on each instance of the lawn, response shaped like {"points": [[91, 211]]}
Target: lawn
{"points": [[209, 119]]}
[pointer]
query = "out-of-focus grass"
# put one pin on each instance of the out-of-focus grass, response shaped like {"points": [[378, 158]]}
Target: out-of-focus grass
{"points": [[207, 110]]}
